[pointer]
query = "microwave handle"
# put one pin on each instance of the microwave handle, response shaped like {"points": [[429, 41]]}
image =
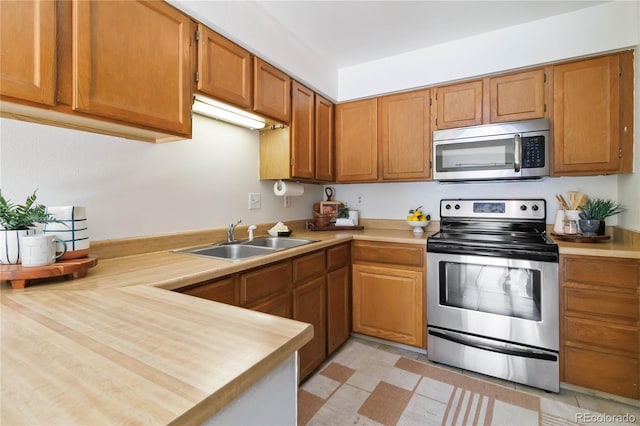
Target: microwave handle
{"points": [[517, 154]]}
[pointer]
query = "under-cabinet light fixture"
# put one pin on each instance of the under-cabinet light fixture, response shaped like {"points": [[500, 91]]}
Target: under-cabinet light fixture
{"points": [[221, 111]]}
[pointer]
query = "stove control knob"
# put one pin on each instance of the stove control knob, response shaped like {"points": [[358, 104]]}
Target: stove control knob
{"points": [[457, 207], [534, 207], [523, 207], [448, 207]]}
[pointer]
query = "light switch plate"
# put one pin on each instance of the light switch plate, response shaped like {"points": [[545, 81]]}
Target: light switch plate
{"points": [[255, 200]]}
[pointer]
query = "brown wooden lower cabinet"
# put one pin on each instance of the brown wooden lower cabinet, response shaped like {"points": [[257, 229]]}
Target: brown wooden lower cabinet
{"points": [[223, 290], [338, 296], [309, 305], [313, 288], [600, 324], [389, 291]]}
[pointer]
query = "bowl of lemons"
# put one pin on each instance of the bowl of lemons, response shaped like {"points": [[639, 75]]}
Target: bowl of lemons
{"points": [[417, 219]]}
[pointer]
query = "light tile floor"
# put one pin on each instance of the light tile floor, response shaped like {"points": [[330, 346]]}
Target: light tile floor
{"points": [[596, 402]]}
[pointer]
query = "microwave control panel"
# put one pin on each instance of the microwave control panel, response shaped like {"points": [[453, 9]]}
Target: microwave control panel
{"points": [[533, 152]]}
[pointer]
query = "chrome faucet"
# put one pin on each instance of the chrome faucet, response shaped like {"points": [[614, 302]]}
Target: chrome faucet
{"points": [[231, 231]]}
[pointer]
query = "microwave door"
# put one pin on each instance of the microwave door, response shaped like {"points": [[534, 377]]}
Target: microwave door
{"points": [[488, 158]]}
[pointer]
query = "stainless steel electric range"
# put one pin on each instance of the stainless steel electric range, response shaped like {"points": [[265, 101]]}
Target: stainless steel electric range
{"points": [[492, 291]]}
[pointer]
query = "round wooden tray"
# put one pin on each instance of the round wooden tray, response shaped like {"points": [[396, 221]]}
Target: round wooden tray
{"points": [[579, 238], [20, 276]]}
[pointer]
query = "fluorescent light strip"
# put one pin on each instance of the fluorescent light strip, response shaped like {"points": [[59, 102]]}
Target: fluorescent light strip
{"points": [[212, 108]]}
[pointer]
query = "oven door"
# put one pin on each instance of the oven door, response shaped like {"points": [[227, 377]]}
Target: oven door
{"points": [[512, 300]]}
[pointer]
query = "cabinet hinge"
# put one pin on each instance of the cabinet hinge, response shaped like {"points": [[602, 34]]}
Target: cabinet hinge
{"points": [[197, 36], [197, 76], [544, 80], [620, 153], [291, 162], [430, 101], [545, 107], [620, 71]]}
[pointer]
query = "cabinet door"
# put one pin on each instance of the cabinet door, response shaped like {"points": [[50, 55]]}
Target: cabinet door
{"points": [[458, 105], [224, 69], [264, 283], [271, 91], [324, 140], [302, 131], [388, 303], [223, 290], [28, 54], [309, 305], [404, 135], [132, 63], [517, 96], [338, 308], [586, 117], [357, 141]]}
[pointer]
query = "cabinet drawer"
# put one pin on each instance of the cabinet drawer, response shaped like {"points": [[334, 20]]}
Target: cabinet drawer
{"points": [[222, 290], [280, 306], [397, 254], [265, 282], [337, 257], [605, 372], [601, 271], [598, 302], [593, 333], [308, 266]]}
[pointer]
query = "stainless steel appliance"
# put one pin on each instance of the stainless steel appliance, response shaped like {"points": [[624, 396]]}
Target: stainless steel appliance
{"points": [[492, 291], [514, 150]]}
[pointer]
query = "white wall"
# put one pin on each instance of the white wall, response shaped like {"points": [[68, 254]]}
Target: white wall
{"points": [[393, 200], [601, 28], [134, 188]]}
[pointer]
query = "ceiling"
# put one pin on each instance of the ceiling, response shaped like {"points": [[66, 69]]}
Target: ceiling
{"points": [[346, 33]]}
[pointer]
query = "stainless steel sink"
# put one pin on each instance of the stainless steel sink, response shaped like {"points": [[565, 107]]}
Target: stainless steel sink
{"points": [[229, 251], [239, 250], [278, 243]]}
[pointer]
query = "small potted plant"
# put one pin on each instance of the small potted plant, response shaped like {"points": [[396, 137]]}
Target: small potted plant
{"points": [[17, 220], [597, 209]]}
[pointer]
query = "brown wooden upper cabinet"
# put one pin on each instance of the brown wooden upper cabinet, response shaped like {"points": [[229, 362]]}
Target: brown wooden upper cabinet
{"points": [[325, 149], [519, 96], [146, 80], [592, 117], [305, 149], [509, 97], [357, 141], [302, 131], [224, 69], [28, 54], [458, 105], [271, 91], [404, 136], [97, 68]]}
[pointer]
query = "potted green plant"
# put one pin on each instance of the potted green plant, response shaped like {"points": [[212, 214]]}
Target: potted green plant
{"points": [[598, 209], [16, 221]]}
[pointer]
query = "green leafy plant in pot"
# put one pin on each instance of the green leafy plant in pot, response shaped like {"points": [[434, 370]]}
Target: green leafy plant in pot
{"points": [[16, 221], [598, 209]]}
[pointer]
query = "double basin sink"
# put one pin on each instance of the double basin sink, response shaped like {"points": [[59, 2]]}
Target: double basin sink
{"points": [[243, 249]]}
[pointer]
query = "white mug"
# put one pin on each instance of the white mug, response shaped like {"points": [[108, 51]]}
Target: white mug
{"points": [[40, 249]]}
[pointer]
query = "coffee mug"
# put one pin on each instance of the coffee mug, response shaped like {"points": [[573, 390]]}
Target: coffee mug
{"points": [[40, 250], [71, 228]]}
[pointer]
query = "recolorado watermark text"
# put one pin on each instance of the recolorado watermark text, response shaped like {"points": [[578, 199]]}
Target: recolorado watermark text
{"points": [[605, 418]]}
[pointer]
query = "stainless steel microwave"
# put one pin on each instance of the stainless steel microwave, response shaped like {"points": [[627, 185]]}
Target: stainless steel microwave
{"points": [[513, 150]]}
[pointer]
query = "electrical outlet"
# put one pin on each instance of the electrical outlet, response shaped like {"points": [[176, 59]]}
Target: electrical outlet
{"points": [[255, 200], [287, 202], [359, 200]]}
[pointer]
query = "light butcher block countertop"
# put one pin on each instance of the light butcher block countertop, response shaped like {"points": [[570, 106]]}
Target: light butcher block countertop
{"points": [[115, 347]]}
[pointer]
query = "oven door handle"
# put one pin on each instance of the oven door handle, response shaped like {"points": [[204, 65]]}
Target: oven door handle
{"points": [[492, 348], [517, 153]]}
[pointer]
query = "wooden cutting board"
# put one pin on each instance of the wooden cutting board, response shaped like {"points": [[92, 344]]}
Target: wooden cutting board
{"points": [[20, 276]]}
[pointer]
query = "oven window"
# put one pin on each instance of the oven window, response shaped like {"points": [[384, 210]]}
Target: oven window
{"points": [[512, 292]]}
